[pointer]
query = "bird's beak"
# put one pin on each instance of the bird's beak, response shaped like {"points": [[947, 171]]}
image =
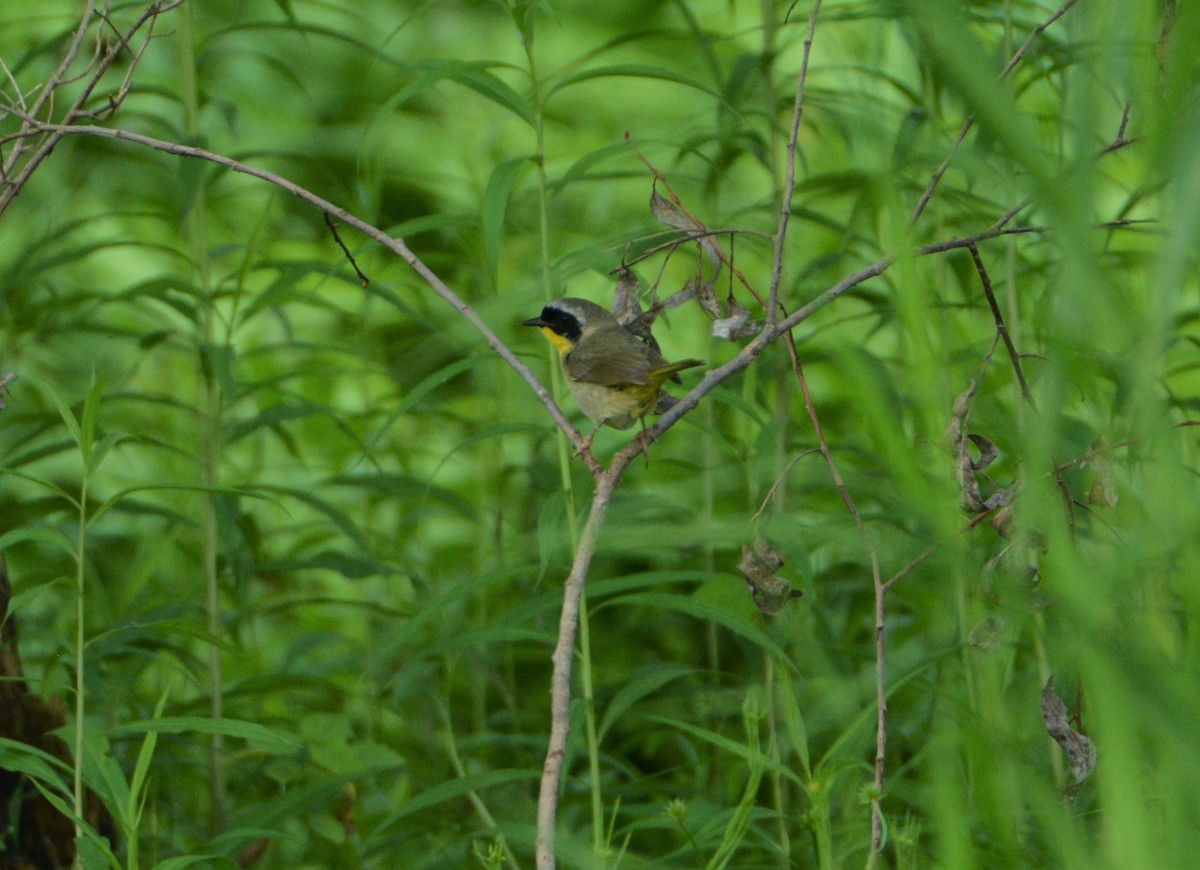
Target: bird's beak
{"points": [[535, 321]]}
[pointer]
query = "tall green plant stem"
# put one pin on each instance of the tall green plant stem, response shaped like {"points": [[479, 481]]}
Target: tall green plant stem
{"points": [[77, 791], [564, 458], [209, 397]]}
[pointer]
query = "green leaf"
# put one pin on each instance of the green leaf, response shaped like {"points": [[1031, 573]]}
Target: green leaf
{"points": [[638, 687], [157, 631], [750, 755], [68, 416], [53, 537], [179, 862], [631, 70], [495, 203], [142, 767], [447, 791], [736, 623], [91, 414], [793, 720], [217, 362], [266, 738], [471, 74], [33, 762], [424, 388]]}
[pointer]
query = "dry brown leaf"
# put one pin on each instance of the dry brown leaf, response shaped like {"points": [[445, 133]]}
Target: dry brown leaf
{"points": [[758, 566], [667, 212], [626, 306], [737, 325], [1080, 750], [1103, 491]]}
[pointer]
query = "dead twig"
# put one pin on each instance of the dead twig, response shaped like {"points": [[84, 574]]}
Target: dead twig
{"points": [[1001, 328]]}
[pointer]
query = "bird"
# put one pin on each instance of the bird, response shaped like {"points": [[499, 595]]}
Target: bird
{"points": [[615, 377]]}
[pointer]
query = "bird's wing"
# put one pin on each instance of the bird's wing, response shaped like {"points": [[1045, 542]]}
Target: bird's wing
{"points": [[622, 359]]}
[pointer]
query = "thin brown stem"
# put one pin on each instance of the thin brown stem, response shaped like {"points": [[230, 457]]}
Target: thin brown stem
{"points": [[15, 178], [1001, 328], [396, 246], [909, 568], [789, 186], [350, 257]]}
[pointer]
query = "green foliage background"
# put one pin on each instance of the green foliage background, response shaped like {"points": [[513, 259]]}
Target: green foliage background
{"points": [[382, 509]]}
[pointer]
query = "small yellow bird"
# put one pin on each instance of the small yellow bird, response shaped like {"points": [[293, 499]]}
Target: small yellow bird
{"points": [[614, 376]]}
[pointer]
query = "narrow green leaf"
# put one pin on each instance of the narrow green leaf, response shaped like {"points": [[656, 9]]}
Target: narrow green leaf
{"points": [[736, 623], [142, 766], [424, 388], [495, 205], [33, 762], [156, 631], [631, 70], [100, 844], [794, 722], [218, 364], [446, 791], [112, 500], [102, 448], [68, 416], [733, 747], [179, 862], [53, 537], [106, 778], [91, 415], [267, 738], [638, 687]]}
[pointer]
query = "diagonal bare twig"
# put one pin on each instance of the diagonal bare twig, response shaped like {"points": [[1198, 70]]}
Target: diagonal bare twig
{"points": [[1001, 328], [789, 188], [396, 246]]}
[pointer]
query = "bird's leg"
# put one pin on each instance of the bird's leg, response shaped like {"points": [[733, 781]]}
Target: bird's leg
{"points": [[586, 446], [644, 438]]}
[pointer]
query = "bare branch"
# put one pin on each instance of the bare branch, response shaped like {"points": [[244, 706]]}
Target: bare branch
{"points": [[14, 178], [396, 246], [789, 186], [1001, 328]]}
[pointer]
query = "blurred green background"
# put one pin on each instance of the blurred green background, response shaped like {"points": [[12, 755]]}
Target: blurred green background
{"points": [[332, 512]]}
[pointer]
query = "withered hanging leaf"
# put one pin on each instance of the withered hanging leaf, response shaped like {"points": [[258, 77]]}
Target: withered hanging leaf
{"points": [[703, 291], [987, 634], [667, 212], [678, 297], [758, 566], [964, 468], [1002, 497], [1001, 520], [4, 382], [1103, 491], [1080, 750], [988, 451], [737, 325], [625, 297]]}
